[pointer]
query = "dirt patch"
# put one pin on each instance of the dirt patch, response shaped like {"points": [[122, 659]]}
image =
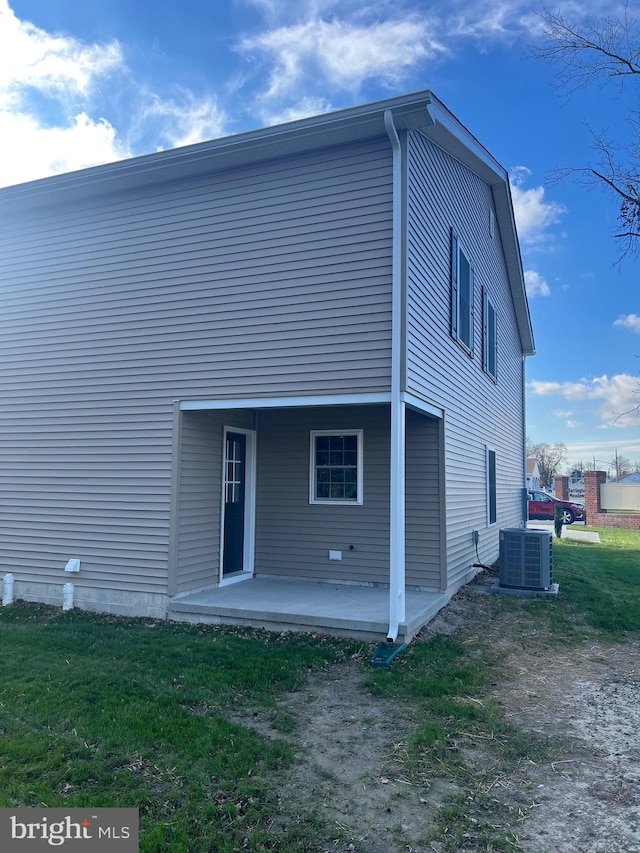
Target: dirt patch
{"points": [[588, 799], [351, 770], [585, 799], [352, 764]]}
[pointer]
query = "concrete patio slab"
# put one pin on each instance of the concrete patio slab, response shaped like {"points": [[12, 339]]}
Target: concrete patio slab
{"points": [[324, 608]]}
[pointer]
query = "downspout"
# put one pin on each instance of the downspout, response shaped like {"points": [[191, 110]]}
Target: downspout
{"points": [[524, 509], [397, 610]]}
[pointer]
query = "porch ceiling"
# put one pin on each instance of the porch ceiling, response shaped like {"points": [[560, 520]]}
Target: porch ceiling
{"points": [[324, 608]]}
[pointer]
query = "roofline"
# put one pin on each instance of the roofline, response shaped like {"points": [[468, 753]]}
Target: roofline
{"points": [[418, 111], [356, 123]]}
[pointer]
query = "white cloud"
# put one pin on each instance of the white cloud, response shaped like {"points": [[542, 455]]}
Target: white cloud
{"points": [[183, 121], [313, 45], [534, 215], [305, 107], [342, 53], [498, 19], [535, 284], [50, 122], [603, 449], [31, 57], [617, 396], [568, 390], [59, 73], [569, 422], [629, 321], [31, 150], [286, 10]]}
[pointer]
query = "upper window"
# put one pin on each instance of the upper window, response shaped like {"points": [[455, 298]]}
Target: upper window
{"points": [[461, 295], [490, 341], [336, 467], [492, 508]]}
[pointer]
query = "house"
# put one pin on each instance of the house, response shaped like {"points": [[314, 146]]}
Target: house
{"points": [[533, 474], [630, 479], [274, 379]]}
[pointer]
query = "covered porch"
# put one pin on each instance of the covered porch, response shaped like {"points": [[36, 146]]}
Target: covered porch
{"points": [[307, 559], [336, 609]]}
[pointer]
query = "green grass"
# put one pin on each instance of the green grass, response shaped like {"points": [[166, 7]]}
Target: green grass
{"points": [[114, 712], [461, 734], [102, 711], [600, 584], [450, 681]]}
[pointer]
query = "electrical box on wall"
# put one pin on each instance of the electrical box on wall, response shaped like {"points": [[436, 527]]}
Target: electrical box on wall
{"points": [[335, 555]]}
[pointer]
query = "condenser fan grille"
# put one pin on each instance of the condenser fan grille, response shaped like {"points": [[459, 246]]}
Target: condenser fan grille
{"points": [[526, 560]]}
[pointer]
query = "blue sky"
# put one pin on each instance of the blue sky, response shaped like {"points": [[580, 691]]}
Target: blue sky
{"points": [[87, 83]]}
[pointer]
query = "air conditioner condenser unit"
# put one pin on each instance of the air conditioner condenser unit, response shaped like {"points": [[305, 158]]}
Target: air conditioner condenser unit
{"points": [[526, 560]]}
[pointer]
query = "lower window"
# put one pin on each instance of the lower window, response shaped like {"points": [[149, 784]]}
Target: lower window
{"points": [[492, 512], [336, 467]]}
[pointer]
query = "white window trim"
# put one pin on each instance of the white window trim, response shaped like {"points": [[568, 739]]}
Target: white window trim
{"points": [[312, 468], [489, 450], [486, 302], [456, 250]]}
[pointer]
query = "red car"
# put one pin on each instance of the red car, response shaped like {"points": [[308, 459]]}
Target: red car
{"points": [[542, 506]]}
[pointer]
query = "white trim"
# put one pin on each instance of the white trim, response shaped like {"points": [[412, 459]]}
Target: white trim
{"points": [[285, 402], [249, 544], [359, 433], [237, 578], [487, 333], [415, 402], [397, 517], [458, 250], [440, 115]]}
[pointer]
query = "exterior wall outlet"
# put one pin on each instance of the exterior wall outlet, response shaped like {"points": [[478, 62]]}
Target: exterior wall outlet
{"points": [[475, 537], [335, 555]]}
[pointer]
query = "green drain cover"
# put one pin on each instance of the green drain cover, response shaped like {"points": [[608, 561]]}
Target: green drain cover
{"points": [[385, 654]]}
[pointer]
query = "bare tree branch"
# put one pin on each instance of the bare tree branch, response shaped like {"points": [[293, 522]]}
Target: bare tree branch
{"points": [[602, 47], [549, 458]]}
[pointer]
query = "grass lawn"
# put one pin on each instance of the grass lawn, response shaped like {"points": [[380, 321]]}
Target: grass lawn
{"points": [[601, 583], [103, 711], [599, 600], [114, 712]]}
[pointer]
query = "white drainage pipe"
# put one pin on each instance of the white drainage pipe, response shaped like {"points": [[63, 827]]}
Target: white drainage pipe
{"points": [[67, 596], [7, 589]]}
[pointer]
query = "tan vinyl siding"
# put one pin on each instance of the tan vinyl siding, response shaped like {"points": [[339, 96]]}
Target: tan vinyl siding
{"points": [[93, 487], [200, 492], [293, 536], [423, 511], [271, 280], [442, 195]]}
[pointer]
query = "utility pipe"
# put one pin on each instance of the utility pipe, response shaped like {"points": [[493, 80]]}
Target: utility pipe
{"points": [[67, 596], [7, 589], [397, 607]]}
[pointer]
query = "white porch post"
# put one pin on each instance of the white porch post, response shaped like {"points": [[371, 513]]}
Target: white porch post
{"points": [[397, 611]]}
